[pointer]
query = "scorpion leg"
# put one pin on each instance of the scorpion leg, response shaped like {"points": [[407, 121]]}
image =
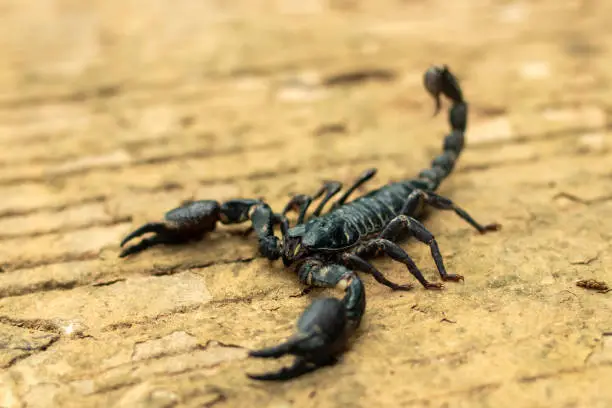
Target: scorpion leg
{"points": [[325, 326], [330, 188], [443, 203], [418, 230], [365, 176], [398, 254], [360, 264], [299, 202]]}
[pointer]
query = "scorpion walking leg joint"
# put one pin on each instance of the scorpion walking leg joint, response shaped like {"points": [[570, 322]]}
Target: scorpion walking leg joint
{"points": [[443, 203], [398, 254], [418, 230], [356, 262]]}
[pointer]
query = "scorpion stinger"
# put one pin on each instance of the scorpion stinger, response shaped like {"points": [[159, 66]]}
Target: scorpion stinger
{"points": [[327, 249]]}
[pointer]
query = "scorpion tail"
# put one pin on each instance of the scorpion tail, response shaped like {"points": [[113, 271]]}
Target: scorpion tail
{"points": [[438, 80]]}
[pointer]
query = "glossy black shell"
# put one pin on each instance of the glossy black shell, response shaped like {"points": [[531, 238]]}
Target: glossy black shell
{"points": [[345, 226], [196, 213]]}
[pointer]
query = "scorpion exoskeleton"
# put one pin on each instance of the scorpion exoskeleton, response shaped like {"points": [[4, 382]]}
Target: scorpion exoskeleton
{"points": [[326, 249]]}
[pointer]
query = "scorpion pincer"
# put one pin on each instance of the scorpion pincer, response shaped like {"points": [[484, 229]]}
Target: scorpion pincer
{"points": [[327, 249]]}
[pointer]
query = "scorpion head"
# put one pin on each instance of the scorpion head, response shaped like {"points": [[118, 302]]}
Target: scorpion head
{"points": [[293, 248]]}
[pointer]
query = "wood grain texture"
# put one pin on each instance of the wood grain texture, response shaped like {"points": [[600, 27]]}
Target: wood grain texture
{"points": [[112, 112]]}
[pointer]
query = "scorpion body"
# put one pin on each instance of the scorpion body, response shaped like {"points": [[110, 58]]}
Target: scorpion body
{"points": [[327, 249]]}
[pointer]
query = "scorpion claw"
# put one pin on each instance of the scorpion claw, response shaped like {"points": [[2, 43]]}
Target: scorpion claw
{"points": [[147, 243], [298, 368], [162, 236], [321, 336], [291, 346], [130, 251], [156, 227]]}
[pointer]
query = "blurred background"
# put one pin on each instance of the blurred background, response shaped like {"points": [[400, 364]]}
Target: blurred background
{"points": [[113, 112], [106, 81]]}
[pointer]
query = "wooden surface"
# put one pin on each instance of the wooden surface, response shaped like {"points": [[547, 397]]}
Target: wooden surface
{"points": [[112, 112]]}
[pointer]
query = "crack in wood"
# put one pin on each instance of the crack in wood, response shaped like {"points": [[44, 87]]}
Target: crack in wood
{"points": [[53, 208], [32, 351], [581, 200], [94, 224], [199, 154], [52, 285]]}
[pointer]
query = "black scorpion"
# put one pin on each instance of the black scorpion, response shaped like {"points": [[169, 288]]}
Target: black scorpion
{"points": [[326, 249]]}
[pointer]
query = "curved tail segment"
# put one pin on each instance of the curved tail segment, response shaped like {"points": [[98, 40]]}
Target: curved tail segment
{"points": [[438, 80]]}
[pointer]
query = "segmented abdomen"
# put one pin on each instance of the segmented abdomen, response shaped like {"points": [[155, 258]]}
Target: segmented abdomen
{"points": [[371, 213]]}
